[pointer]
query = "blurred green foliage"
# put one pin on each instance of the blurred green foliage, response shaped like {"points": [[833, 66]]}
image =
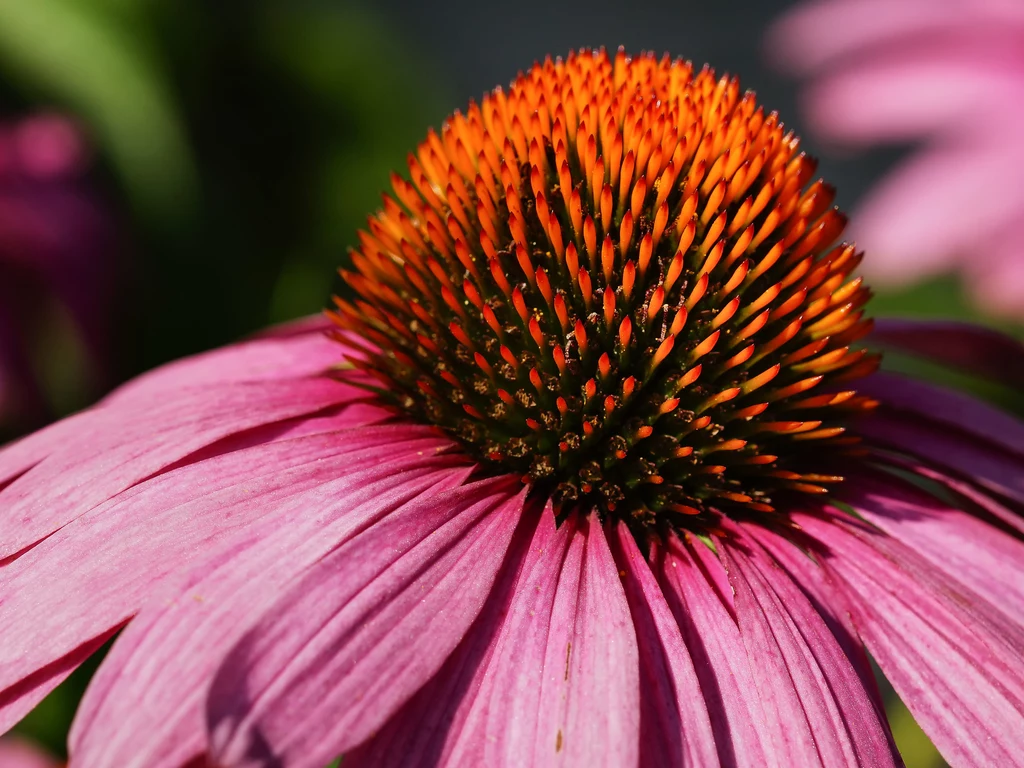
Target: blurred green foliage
{"points": [[916, 748], [940, 297], [247, 141], [100, 60]]}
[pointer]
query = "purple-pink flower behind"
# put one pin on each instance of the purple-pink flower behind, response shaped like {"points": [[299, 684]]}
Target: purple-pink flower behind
{"points": [[56, 246], [950, 74]]}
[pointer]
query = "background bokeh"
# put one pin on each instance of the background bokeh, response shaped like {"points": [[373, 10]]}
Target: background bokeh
{"points": [[236, 146]]}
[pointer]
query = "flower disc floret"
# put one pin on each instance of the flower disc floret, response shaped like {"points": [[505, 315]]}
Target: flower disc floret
{"points": [[616, 279]]}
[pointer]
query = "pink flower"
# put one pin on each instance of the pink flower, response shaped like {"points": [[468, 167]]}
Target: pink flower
{"points": [[625, 545], [20, 753], [55, 251], [951, 74]]}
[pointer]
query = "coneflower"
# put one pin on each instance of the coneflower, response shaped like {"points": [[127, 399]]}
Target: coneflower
{"points": [[591, 471]]}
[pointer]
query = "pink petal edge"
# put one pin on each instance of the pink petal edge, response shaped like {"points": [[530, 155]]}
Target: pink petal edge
{"points": [[953, 660], [141, 711], [801, 671], [675, 729], [370, 623], [532, 684]]}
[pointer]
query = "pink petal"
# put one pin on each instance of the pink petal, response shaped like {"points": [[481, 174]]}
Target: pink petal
{"points": [[945, 408], [18, 457], [916, 223], [141, 710], [739, 720], [800, 670], [926, 89], [18, 700], [986, 465], [953, 660], [120, 446], [969, 497], [293, 351], [22, 455], [591, 713], [972, 552], [830, 604], [816, 34], [528, 683], [357, 636], [287, 352], [94, 573], [21, 753], [973, 348], [674, 725], [999, 281], [481, 707]]}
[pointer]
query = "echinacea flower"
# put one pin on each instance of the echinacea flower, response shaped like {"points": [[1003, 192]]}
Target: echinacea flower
{"points": [[588, 473], [56, 251], [949, 74]]}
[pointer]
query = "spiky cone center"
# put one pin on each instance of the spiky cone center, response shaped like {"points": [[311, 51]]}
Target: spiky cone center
{"points": [[615, 279]]}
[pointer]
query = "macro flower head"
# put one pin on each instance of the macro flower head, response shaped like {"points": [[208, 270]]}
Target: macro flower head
{"points": [[56, 249], [949, 75], [592, 466]]}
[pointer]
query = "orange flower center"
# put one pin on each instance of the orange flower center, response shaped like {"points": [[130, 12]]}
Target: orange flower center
{"points": [[614, 279]]}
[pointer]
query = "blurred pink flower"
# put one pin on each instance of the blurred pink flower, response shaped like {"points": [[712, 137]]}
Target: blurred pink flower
{"points": [[16, 752], [55, 254], [949, 73]]}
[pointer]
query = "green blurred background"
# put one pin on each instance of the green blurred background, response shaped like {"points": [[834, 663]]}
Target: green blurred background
{"points": [[239, 145]]}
